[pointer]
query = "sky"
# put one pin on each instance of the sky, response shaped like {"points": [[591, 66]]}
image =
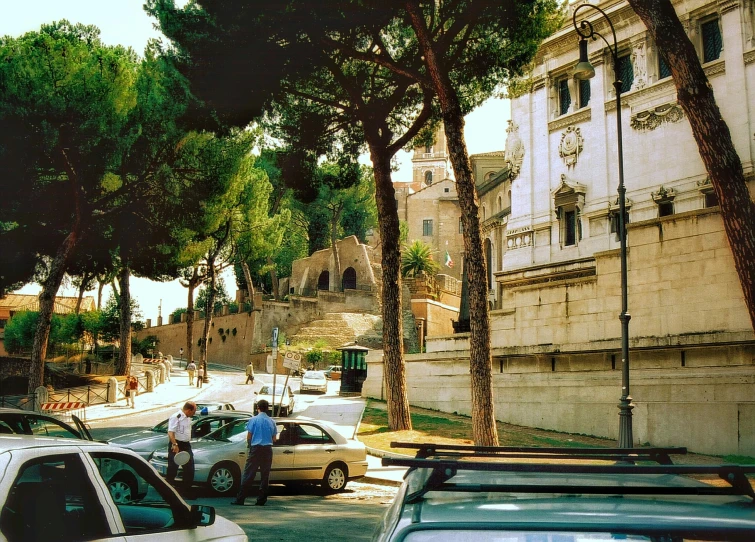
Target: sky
{"points": [[124, 22]]}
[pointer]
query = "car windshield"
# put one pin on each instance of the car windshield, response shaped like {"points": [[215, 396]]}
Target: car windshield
{"points": [[268, 390], [316, 375]]}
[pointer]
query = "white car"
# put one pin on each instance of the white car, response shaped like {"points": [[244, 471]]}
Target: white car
{"points": [[51, 488], [314, 381], [306, 451], [281, 402]]}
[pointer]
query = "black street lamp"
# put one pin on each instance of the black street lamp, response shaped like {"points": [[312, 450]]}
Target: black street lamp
{"points": [[584, 70]]}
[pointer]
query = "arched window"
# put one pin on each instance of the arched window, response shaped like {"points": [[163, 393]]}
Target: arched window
{"points": [[500, 204], [350, 279], [323, 283], [428, 178]]}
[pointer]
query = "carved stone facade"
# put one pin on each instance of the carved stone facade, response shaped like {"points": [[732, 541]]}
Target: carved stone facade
{"points": [[558, 286]]}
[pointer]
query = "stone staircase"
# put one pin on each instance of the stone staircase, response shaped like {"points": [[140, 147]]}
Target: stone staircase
{"points": [[337, 329]]}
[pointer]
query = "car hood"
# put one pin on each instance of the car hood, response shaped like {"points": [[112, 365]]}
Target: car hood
{"points": [[142, 437], [224, 529]]}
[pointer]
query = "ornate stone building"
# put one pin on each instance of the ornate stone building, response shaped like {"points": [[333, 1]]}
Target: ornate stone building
{"points": [[555, 332]]}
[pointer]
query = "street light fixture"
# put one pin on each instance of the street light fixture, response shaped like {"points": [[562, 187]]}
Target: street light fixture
{"points": [[585, 70]]}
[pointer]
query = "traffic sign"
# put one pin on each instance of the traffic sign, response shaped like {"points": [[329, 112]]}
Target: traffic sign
{"points": [[292, 360]]}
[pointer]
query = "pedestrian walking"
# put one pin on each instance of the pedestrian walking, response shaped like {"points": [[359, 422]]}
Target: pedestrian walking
{"points": [[190, 368], [200, 375], [261, 432], [132, 390], [179, 435], [249, 373]]}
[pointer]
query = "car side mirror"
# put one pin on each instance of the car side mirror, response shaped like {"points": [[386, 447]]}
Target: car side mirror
{"points": [[201, 515]]}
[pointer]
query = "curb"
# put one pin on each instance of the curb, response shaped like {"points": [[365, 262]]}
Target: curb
{"points": [[378, 481]]}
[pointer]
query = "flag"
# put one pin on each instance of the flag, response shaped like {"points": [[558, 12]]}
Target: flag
{"points": [[449, 261]]}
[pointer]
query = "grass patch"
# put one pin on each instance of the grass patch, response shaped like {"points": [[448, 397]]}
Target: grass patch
{"points": [[739, 459], [429, 426]]}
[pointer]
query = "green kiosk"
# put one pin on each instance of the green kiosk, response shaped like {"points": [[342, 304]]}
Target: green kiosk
{"points": [[354, 369]]}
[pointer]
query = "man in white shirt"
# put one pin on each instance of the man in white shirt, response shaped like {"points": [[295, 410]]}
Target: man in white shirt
{"points": [[179, 435]]}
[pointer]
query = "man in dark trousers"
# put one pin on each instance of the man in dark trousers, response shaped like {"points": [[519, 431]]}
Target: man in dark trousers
{"points": [[179, 436], [261, 433]]}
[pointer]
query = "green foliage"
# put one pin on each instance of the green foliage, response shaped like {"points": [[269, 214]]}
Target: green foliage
{"points": [[19, 331], [110, 323], [175, 316], [417, 259], [221, 297], [146, 347], [314, 358]]}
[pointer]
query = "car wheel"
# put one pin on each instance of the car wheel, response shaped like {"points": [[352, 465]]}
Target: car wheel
{"points": [[122, 488], [224, 478], [335, 478]]}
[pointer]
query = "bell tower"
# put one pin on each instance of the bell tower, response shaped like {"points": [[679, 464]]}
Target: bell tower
{"points": [[430, 163]]}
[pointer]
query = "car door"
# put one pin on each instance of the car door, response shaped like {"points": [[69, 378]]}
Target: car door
{"points": [[156, 512], [54, 494], [283, 453], [314, 450]]}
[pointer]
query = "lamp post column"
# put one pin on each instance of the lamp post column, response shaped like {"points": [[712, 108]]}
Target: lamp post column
{"points": [[584, 70], [626, 439]]}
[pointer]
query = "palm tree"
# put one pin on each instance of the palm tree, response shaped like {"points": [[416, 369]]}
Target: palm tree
{"points": [[417, 259]]}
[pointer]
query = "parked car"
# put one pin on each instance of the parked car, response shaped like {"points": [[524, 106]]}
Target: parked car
{"points": [[25, 422], [57, 489], [563, 494], [205, 408], [281, 402], [122, 484], [147, 441], [306, 451], [333, 372], [314, 381]]}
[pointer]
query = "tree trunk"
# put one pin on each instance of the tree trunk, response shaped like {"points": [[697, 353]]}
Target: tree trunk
{"points": [[50, 287], [712, 134], [334, 247], [274, 279], [249, 284], [124, 354], [193, 283], [209, 312], [483, 413], [82, 287], [399, 415]]}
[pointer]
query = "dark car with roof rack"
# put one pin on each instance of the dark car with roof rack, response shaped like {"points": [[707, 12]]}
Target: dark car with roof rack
{"points": [[466, 493]]}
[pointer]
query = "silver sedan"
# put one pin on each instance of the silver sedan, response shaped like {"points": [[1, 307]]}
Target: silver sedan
{"points": [[306, 451], [149, 440], [314, 381]]}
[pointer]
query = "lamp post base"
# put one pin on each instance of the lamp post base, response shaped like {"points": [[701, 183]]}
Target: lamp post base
{"points": [[626, 440]]}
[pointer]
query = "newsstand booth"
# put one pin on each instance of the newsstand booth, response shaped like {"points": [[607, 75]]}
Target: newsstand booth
{"points": [[353, 368]]}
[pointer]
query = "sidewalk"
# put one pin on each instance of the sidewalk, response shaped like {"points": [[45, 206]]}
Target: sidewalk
{"points": [[177, 391], [173, 393]]}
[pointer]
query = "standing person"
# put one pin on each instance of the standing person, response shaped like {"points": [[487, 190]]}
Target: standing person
{"points": [[200, 375], [190, 368], [132, 390], [179, 440], [249, 373], [261, 432]]}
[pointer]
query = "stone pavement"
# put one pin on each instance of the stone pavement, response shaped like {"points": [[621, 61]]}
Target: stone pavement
{"points": [[344, 413]]}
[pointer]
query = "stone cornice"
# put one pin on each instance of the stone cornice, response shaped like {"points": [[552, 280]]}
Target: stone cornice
{"points": [[715, 67], [583, 115], [749, 56], [725, 6], [635, 98]]}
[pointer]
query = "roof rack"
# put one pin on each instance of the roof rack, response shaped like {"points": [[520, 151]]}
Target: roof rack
{"points": [[444, 461], [657, 455]]}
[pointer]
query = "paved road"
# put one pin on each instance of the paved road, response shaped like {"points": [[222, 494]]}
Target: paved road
{"points": [[292, 514]]}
